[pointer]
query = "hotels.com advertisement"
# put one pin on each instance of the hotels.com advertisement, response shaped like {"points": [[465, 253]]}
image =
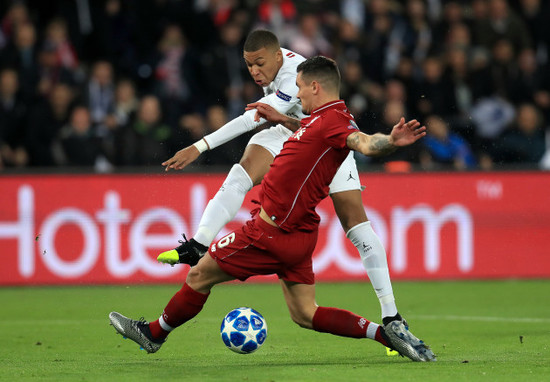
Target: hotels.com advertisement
{"points": [[108, 229]]}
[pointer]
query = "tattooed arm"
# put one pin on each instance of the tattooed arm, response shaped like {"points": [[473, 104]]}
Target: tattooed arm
{"points": [[402, 134]]}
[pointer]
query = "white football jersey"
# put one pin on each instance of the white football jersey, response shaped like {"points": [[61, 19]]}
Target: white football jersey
{"points": [[281, 92]]}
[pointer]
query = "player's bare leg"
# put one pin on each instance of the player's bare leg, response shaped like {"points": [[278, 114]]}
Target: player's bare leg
{"points": [[349, 208], [304, 311], [300, 299], [256, 161], [205, 275], [223, 207]]}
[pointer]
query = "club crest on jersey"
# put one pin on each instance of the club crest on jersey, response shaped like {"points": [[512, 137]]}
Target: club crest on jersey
{"points": [[353, 125], [298, 133], [283, 96]]}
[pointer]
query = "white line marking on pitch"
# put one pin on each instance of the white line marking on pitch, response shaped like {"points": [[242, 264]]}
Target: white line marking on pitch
{"points": [[482, 318]]}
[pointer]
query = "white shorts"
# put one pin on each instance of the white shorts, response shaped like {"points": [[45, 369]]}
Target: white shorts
{"points": [[271, 139], [347, 176]]}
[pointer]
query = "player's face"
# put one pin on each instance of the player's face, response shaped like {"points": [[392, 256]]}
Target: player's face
{"points": [[304, 94], [263, 65]]}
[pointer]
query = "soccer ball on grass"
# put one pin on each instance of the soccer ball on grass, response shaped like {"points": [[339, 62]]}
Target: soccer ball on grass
{"points": [[243, 330]]}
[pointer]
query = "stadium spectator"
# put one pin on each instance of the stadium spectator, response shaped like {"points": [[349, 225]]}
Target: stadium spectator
{"points": [[57, 38], [81, 18], [79, 145], [419, 37], [309, 40], [192, 128], [458, 66], [349, 44], [353, 81], [501, 23], [392, 112], [177, 73], [445, 147], [51, 72], [223, 71], [535, 14], [491, 116], [125, 106], [22, 53], [526, 80], [115, 34], [146, 141], [17, 14], [99, 94], [45, 121], [353, 13], [524, 141], [434, 93], [13, 113], [278, 16], [503, 68], [453, 15], [384, 46]]}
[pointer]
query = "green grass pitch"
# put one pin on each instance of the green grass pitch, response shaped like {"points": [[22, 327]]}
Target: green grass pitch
{"points": [[480, 330]]}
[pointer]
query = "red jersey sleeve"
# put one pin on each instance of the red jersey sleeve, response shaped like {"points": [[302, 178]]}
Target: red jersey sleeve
{"points": [[338, 126]]}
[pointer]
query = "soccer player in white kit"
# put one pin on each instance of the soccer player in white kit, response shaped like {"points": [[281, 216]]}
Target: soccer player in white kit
{"points": [[274, 68]]}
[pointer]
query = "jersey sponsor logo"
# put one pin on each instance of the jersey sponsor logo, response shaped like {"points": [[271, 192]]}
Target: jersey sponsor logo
{"points": [[283, 96], [353, 125]]}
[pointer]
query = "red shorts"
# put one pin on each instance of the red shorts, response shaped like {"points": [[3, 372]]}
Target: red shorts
{"points": [[258, 248]]}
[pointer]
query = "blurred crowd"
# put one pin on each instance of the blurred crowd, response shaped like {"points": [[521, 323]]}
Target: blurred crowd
{"points": [[112, 83]]}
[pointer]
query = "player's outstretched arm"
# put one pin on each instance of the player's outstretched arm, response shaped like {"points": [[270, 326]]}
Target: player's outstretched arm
{"points": [[182, 158], [269, 113], [402, 134]]}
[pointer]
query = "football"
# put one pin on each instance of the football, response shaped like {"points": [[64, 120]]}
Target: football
{"points": [[243, 330]]}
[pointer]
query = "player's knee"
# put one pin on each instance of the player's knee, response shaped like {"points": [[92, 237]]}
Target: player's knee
{"points": [[198, 279], [239, 178], [349, 209]]}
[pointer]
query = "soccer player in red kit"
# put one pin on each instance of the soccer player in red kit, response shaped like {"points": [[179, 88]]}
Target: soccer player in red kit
{"points": [[281, 236]]}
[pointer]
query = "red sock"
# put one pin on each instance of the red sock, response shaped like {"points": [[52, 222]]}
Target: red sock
{"points": [[343, 323], [183, 306]]}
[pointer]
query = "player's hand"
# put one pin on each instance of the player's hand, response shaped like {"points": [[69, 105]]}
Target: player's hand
{"points": [[266, 111], [182, 158], [406, 133]]}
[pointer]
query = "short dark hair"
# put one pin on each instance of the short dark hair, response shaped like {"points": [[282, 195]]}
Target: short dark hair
{"points": [[259, 39], [321, 69]]}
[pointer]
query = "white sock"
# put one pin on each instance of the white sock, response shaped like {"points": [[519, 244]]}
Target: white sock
{"points": [[373, 256], [164, 325], [223, 207]]}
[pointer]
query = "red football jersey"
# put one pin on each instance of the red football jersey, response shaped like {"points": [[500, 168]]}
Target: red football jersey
{"points": [[300, 175]]}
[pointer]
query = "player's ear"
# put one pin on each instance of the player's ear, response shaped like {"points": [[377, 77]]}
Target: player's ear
{"points": [[315, 87]]}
